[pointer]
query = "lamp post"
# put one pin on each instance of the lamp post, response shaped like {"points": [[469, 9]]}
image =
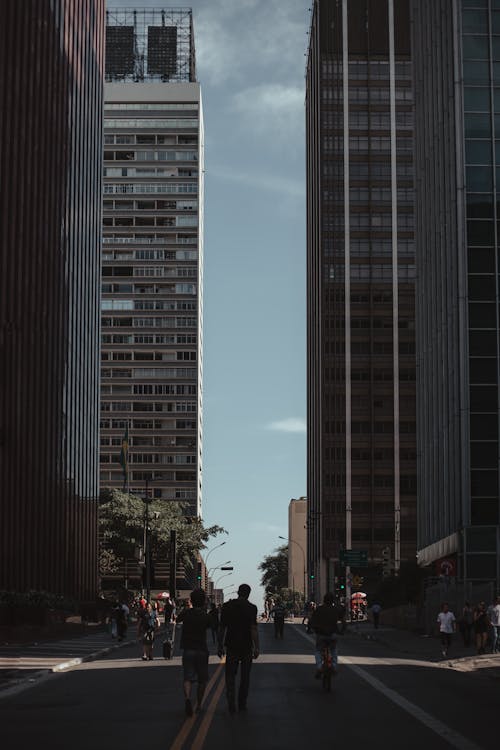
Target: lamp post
{"points": [[221, 577], [212, 550], [209, 573], [147, 543], [303, 559]]}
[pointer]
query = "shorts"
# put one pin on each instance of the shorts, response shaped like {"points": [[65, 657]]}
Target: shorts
{"points": [[195, 665]]}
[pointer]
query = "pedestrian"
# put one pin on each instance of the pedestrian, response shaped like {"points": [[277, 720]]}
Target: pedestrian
{"points": [[195, 623], [214, 622], [238, 635], [376, 610], [465, 624], [121, 614], [494, 618], [481, 627], [278, 613], [447, 626], [147, 624]]}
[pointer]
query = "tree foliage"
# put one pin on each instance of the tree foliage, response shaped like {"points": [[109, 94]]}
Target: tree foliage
{"points": [[275, 571], [122, 522]]}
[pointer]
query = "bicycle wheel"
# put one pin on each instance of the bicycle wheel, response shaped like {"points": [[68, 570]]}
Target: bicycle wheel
{"points": [[327, 679]]}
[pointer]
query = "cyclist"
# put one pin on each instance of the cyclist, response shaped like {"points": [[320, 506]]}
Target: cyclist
{"points": [[324, 623]]}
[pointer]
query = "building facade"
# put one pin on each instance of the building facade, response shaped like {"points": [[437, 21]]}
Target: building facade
{"points": [[152, 275], [457, 124], [297, 545], [360, 280], [51, 84]]}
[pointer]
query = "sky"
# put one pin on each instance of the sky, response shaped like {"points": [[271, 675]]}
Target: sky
{"points": [[251, 64]]}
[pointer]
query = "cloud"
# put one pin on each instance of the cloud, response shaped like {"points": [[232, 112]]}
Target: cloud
{"points": [[272, 109], [272, 44], [274, 183], [267, 528], [292, 424]]}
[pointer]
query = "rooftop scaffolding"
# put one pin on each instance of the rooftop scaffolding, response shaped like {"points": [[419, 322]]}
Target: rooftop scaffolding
{"points": [[150, 44]]}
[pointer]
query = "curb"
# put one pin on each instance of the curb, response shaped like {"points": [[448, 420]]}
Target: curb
{"points": [[21, 683]]}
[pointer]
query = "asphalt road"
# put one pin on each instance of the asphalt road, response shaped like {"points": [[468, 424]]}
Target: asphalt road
{"points": [[377, 700]]}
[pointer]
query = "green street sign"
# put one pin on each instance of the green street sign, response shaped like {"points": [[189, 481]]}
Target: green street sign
{"points": [[356, 558]]}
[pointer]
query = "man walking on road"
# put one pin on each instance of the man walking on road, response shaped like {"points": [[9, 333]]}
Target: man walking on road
{"points": [[195, 623], [447, 626], [238, 634]]}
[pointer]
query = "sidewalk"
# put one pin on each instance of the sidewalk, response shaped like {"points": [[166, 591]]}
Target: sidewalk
{"points": [[21, 665], [428, 648]]}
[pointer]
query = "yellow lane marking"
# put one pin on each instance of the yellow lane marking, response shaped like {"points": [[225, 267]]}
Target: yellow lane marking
{"points": [[207, 719], [188, 723]]}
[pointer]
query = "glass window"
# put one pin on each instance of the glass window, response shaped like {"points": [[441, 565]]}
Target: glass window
{"points": [[476, 72], [482, 315], [496, 99], [495, 23], [483, 370], [481, 232], [479, 179], [474, 3], [479, 206], [483, 343], [475, 47], [484, 483], [482, 566], [482, 288], [481, 260], [484, 455], [477, 126], [483, 427], [477, 99], [475, 21], [484, 511], [495, 47], [483, 398], [478, 152]]}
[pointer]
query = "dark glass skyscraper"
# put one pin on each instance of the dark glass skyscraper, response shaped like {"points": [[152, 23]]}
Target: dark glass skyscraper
{"points": [[361, 483], [457, 85], [51, 82]]}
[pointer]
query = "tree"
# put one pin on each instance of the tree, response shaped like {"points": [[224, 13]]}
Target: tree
{"points": [[275, 571], [121, 525]]}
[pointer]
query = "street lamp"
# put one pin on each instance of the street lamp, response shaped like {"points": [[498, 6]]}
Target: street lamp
{"points": [[217, 567], [212, 550], [303, 556], [221, 577]]}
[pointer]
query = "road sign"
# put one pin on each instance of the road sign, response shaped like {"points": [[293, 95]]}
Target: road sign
{"points": [[356, 558]]}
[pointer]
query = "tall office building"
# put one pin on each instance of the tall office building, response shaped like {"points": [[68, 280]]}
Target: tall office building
{"points": [[51, 83], [457, 156], [152, 279], [361, 483], [297, 545]]}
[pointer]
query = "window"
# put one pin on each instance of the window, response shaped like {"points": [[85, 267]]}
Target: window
{"points": [[475, 48]]}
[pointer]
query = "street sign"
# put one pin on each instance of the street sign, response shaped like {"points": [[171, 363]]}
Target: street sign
{"points": [[356, 558]]}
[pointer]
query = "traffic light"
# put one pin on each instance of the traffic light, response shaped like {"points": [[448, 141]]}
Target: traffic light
{"points": [[386, 562], [311, 576], [198, 574]]}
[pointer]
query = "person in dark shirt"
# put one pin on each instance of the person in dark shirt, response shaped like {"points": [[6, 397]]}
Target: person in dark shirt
{"points": [[195, 623], [325, 623], [239, 636]]}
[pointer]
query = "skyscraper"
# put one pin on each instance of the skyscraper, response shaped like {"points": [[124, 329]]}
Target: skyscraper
{"points": [[51, 81], [152, 303], [457, 130], [361, 485]]}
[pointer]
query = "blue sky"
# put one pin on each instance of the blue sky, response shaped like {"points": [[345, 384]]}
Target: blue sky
{"points": [[250, 64]]}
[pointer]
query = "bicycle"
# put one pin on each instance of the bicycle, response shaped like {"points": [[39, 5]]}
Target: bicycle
{"points": [[327, 668]]}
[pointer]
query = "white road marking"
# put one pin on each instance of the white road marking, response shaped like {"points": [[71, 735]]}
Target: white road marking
{"points": [[454, 738]]}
